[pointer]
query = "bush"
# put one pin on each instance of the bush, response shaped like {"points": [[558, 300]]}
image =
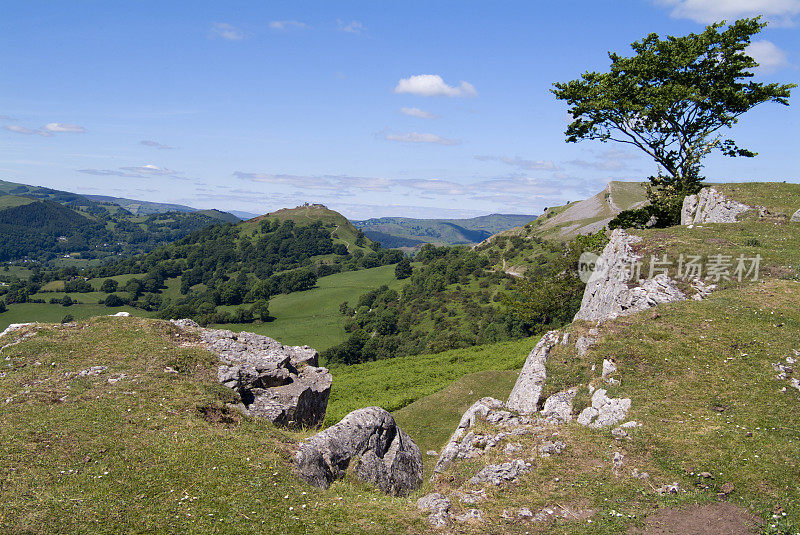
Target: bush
{"points": [[66, 301], [109, 286], [2, 306], [68, 318], [113, 300]]}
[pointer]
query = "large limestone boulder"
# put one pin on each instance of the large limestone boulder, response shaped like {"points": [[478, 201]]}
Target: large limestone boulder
{"points": [[281, 383], [604, 410], [607, 294], [710, 206], [796, 217], [370, 444], [524, 397]]}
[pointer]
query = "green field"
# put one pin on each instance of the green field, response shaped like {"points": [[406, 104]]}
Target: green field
{"points": [[312, 317]]}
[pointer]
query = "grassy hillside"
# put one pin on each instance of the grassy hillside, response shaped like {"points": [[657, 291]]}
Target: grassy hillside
{"points": [[312, 317], [779, 198], [410, 232]]}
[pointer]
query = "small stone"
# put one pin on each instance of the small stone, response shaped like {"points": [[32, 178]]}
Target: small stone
{"points": [[727, 488], [475, 515], [655, 315], [438, 505], [707, 475], [431, 453], [619, 433]]}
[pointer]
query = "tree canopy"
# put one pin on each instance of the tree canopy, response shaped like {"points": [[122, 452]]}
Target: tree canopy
{"points": [[672, 98]]}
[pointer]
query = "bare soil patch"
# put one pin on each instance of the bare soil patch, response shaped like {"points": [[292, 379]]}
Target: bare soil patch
{"points": [[711, 519]]}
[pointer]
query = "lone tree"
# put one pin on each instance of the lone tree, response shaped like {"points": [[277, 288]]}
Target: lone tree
{"points": [[670, 100]]}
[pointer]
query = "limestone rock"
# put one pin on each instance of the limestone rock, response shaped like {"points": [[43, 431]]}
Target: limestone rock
{"points": [[710, 206], [369, 442], [497, 474], [439, 507], [604, 411], [559, 406], [609, 368], [796, 217], [470, 515], [551, 448], [14, 327], [607, 294], [277, 382], [525, 395], [583, 344]]}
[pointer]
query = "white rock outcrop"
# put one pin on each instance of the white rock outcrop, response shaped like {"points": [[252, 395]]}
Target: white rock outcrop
{"points": [[796, 217], [604, 411], [710, 206], [524, 397], [607, 293]]}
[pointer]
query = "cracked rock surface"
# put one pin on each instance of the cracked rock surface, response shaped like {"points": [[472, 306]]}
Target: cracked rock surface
{"points": [[277, 382], [370, 444]]}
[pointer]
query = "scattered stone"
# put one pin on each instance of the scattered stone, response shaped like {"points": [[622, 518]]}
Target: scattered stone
{"points": [[551, 448], [559, 406], [710, 206], [604, 411], [619, 433], [439, 507], [702, 290], [668, 489], [14, 327], [726, 489], [565, 340], [370, 443], [639, 475], [93, 371], [497, 474], [525, 395], [460, 444], [170, 369], [551, 512], [512, 448], [470, 515], [121, 315], [472, 497], [609, 368], [431, 453], [655, 315], [524, 512], [617, 458], [796, 217], [630, 425], [707, 475], [583, 344], [607, 294], [281, 383]]}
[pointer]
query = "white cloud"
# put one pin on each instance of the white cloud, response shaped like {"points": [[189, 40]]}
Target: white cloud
{"points": [[154, 144], [27, 131], [340, 183], [61, 127], [287, 24], [707, 11], [226, 31], [530, 165], [350, 27], [417, 137], [139, 171], [416, 112], [435, 186], [432, 85], [770, 58]]}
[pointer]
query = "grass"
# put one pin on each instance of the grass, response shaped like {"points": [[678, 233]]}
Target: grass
{"points": [[777, 197], [312, 317], [398, 382], [137, 455], [47, 313]]}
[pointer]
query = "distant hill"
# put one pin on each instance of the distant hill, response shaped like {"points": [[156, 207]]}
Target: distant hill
{"points": [[141, 207], [47, 225], [409, 232]]}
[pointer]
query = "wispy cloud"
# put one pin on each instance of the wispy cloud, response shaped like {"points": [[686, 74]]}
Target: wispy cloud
{"points": [[416, 112], [419, 137], [780, 12], [770, 58], [609, 160], [530, 165], [6, 118], [140, 171], [287, 25], [27, 131], [353, 26], [343, 183], [432, 85], [223, 30], [154, 144], [61, 127]]}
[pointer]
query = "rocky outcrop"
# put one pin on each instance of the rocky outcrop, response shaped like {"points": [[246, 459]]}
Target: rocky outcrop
{"points": [[559, 406], [370, 444], [277, 382], [438, 505], [604, 411], [496, 474], [524, 397], [466, 444], [607, 294], [796, 217], [710, 206]]}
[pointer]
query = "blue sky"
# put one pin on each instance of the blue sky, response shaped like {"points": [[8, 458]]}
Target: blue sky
{"points": [[426, 109]]}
